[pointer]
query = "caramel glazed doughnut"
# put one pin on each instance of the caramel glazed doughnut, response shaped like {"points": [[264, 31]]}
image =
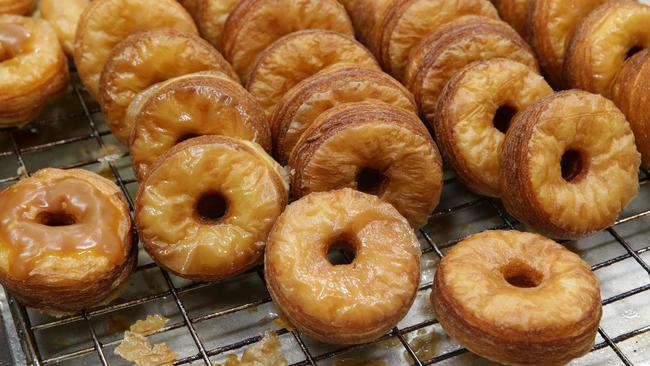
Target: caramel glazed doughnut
{"points": [[33, 68], [254, 24], [298, 56], [517, 298], [569, 165], [375, 148], [206, 103], [299, 107], [604, 40], [347, 302], [65, 240], [474, 112], [438, 57], [146, 58], [205, 210], [105, 23]]}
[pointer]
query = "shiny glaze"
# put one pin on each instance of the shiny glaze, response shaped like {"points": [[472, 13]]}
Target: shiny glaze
{"points": [[22, 209], [13, 38]]}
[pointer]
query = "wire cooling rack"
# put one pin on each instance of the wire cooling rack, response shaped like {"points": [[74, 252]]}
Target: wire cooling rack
{"points": [[211, 320]]}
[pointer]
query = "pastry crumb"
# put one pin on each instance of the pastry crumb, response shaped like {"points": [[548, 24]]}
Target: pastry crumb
{"points": [[135, 346], [151, 325], [264, 353]]}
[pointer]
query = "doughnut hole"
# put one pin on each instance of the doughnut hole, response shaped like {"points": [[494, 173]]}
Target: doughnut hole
{"points": [[342, 249], [522, 275], [211, 208], [371, 181], [573, 165], [58, 218], [633, 51], [503, 117]]}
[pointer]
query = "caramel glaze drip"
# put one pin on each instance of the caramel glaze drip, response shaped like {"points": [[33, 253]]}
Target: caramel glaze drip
{"points": [[64, 217], [13, 38]]}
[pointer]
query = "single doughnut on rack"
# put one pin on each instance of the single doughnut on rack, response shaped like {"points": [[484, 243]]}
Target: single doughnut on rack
{"points": [[298, 56], [33, 68], [608, 36], [146, 58], [205, 103], [205, 210], [375, 148], [105, 23], [254, 24], [631, 93], [346, 83], [65, 240], [569, 165], [64, 16], [517, 298], [550, 27], [474, 113], [18, 7], [360, 297], [439, 56]]}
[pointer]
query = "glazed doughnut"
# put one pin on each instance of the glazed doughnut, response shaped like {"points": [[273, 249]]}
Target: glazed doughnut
{"points": [[63, 16], [550, 27], [211, 16], [65, 240], [206, 103], [604, 40], [406, 23], [298, 56], [255, 24], [517, 299], [475, 110], [375, 148], [438, 57], [299, 107], [569, 165], [33, 68], [146, 58], [367, 16], [631, 93], [19, 7], [354, 301], [105, 23], [514, 12], [205, 210]]}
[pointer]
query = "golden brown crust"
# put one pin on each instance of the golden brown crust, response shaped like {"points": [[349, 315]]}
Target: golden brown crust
{"points": [[253, 186], [602, 43], [464, 121], [347, 140], [367, 17], [146, 58], [550, 27], [298, 56], [211, 17], [98, 33], [342, 304], [407, 22], [212, 104], [18, 7], [569, 196], [442, 54], [35, 74], [631, 93], [63, 15], [514, 12], [254, 24], [65, 288], [560, 313], [299, 107]]}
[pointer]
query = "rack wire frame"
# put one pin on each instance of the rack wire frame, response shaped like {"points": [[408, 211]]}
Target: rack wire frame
{"points": [[26, 330]]}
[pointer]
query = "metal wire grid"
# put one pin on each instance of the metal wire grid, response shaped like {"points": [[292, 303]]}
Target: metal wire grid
{"points": [[27, 330]]}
